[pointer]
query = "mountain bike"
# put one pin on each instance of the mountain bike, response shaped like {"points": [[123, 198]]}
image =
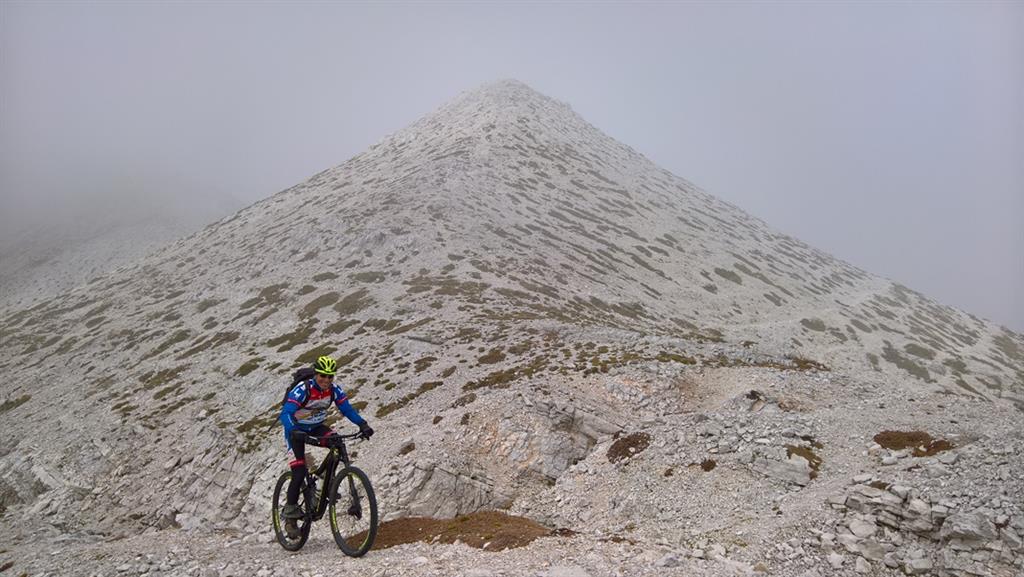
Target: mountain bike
{"points": [[349, 499]]}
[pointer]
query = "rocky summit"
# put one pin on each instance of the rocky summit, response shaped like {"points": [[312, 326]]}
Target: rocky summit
{"points": [[537, 321]]}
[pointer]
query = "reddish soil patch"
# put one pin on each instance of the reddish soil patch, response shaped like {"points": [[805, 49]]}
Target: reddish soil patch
{"points": [[497, 531], [922, 443], [628, 446], [812, 458]]}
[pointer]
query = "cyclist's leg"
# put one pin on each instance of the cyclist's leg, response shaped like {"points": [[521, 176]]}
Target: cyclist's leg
{"points": [[320, 430], [297, 463]]}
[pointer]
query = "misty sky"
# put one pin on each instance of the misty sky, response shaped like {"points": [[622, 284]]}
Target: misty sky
{"points": [[888, 134]]}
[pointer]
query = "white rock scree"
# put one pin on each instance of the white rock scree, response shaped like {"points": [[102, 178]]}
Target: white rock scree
{"points": [[538, 320]]}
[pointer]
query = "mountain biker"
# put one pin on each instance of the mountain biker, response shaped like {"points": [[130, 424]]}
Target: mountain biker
{"points": [[305, 410]]}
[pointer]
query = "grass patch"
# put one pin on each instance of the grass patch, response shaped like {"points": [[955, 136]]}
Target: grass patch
{"points": [[369, 277], [290, 340], [353, 302], [392, 407], [424, 363], [310, 356], [501, 379], [314, 306], [493, 356], [729, 275], [893, 356], [814, 324], [11, 404], [248, 367], [174, 339], [154, 379], [204, 345], [207, 304]]}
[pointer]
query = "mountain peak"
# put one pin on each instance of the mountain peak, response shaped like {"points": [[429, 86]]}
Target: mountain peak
{"points": [[508, 90], [506, 103]]}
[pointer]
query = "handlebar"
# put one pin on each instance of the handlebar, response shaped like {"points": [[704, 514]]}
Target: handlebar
{"points": [[331, 441]]}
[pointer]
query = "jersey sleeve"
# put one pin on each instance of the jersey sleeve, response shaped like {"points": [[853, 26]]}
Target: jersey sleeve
{"points": [[346, 408], [293, 402]]}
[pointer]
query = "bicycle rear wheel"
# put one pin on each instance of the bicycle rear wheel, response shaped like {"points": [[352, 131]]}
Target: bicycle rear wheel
{"points": [[353, 512], [304, 524]]}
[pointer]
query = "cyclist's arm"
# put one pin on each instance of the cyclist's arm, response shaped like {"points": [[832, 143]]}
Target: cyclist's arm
{"points": [[346, 408], [293, 403]]}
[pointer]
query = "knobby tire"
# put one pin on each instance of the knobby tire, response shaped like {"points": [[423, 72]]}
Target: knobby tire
{"points": [[305, 523], [353, 535]]}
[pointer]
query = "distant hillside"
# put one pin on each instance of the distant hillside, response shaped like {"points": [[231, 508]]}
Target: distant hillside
{"points": [[49, 253]]}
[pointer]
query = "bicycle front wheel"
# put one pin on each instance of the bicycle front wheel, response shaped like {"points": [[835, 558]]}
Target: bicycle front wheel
{"points": [[353, 512], [292, 541]]}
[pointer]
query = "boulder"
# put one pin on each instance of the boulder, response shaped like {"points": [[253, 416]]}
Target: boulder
{"points": [[862, 528], [918, 566], [794, 470], [968, 527]]}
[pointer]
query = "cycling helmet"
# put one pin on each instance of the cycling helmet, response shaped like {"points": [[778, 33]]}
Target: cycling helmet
{"points": [[325, 365]]}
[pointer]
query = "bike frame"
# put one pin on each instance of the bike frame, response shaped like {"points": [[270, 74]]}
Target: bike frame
{"points": [[325, 473]]}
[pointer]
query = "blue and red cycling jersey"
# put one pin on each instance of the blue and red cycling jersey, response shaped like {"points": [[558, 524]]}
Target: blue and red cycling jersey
{"points": [[306, 408]]}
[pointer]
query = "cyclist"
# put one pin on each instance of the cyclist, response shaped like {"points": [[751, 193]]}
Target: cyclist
{"points": [[305, 410]]}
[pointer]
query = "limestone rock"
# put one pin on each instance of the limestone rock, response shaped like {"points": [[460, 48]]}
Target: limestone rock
{"points": [[968, 527], [794, 470]]}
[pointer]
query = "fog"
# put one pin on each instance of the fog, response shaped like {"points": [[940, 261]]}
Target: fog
{"points": [[890, 135]]}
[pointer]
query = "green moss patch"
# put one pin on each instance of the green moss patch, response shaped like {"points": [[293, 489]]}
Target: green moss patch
{"points": [[729, 275], [205, 344], [177, 337], [314, 306], [297, 337], [353, 303], [495, 355], [270, 296], [155, 379], [424, 363], [248, 367], [814, 324], [919, 351], [893, 356], [11, 404], [392, 407], [310, 356], [369, 277], [206, 304]]}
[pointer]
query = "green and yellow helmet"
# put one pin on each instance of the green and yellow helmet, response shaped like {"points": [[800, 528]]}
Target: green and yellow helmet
{"points": [[325, 365]]}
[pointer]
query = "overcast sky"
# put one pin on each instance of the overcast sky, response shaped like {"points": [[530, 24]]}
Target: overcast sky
{"points": [[888, 134]]}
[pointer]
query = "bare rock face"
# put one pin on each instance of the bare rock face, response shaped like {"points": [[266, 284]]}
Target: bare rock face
{"points": [[429, 490], [925, 535], [795, 469], [968, 527]]}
